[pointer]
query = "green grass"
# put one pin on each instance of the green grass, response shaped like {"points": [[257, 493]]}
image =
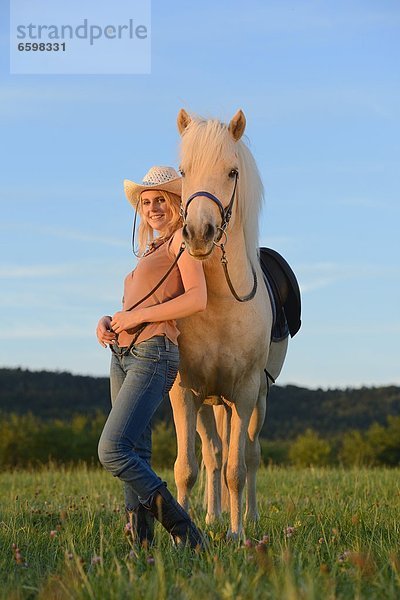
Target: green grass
{"points": [[345, 542]]}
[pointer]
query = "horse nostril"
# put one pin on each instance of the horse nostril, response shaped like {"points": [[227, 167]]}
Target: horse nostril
{"points": [[209, 232], [187, 232]]}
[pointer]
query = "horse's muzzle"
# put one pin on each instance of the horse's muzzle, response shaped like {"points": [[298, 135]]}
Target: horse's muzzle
{"points": [[200, 244]]}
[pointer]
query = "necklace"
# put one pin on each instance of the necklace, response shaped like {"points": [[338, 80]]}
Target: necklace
{"points": [[154, 245]]}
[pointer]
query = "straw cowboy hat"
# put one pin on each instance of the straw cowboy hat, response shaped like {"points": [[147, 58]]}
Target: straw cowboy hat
{"points": [[157, 178]]}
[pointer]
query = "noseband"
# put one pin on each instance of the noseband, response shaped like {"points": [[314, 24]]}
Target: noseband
{"points": [[226, 214]]}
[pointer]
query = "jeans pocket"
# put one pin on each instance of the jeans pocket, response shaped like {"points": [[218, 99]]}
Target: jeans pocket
{"points": [[148, 352]]}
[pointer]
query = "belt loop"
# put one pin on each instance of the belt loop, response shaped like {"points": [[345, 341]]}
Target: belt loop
{"points": [[166, 343]]}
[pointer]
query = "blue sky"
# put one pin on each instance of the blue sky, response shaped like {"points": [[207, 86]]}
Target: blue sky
{"points": [[319, 84]]}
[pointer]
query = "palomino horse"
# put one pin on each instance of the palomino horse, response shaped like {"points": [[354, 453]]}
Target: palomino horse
{"points": [[225, 349]]}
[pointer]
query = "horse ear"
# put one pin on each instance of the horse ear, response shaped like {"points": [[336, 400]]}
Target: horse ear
{"points": [[183, 120], [237, 125]]}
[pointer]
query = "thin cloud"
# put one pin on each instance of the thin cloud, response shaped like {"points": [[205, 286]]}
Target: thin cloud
{"points": [[89, 269], [23, 100], [364, 202], [42, 332], [34, 271], [69, 234], [352, 329], [66, 191], [320, 275]]}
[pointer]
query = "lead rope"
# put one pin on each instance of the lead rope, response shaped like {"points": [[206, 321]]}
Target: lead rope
{"points": [[224, 262]]}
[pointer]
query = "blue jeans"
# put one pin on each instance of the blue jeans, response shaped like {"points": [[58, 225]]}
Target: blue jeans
{"points": [[139, 381]]}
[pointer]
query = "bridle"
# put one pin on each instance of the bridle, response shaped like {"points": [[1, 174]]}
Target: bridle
{"points": [[226, 213]]}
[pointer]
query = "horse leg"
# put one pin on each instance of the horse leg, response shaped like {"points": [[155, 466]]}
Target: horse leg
{"points": [[211, 449], [222, 415], [236, 468], [186, 468], [253, 451]]}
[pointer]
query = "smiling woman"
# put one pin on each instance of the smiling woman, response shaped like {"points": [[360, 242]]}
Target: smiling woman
{"points": [[160, 217], [145, 356]]}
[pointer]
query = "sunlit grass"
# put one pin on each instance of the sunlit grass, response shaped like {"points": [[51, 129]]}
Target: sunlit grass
{"points": [[322, 534]]}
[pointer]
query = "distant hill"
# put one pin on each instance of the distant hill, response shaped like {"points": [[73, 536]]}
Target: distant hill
{"points": [[291, 409]]}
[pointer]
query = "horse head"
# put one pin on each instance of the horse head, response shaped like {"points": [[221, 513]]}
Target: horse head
{"points": [[210, 167]]}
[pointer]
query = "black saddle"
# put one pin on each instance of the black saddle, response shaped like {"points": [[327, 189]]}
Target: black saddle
{"points": [[284, 293]]}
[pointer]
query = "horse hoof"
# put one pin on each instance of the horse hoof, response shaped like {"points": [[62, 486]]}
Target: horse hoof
{"points": [[213, 518], [235, 536], [252, 516]]}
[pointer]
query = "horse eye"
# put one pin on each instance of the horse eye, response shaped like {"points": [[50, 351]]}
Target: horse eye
{"points": [[233, 173], [182, 172]]}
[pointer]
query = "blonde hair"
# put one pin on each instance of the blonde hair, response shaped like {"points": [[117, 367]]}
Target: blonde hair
{"points": [[146, 233]]}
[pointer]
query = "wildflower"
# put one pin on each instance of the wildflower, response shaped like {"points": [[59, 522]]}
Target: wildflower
{"points": [[297, 524], [150, 560], [18, 556], [53, 533], [266, 539], [128, 528], [289, 531], [248, 543], [321, 540], [344, 556], [96, 560]]}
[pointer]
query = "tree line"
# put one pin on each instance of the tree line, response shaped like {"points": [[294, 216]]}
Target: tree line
{"points": [[291, 409], [28, 441], [59, 416]]}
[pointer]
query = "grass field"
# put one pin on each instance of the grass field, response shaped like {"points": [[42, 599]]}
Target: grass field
{"points": [[322, 534]]}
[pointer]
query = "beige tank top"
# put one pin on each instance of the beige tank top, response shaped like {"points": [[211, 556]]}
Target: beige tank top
{"points": [[148, 272]]}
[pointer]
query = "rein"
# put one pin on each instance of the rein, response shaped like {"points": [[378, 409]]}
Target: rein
{"points": [[226, 214], [163, 278]]}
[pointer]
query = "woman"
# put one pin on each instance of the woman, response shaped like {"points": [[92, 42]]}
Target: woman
{"points": [[144, 363]]}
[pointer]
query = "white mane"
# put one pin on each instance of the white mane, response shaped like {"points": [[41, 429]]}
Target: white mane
{"points": [[204, 143]]}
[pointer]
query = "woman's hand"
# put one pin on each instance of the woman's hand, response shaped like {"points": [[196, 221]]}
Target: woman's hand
{"points": [[104, 333], [125, 320]]}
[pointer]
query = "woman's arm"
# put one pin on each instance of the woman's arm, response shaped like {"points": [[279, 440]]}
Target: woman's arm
{"points": [[194, 298]]}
